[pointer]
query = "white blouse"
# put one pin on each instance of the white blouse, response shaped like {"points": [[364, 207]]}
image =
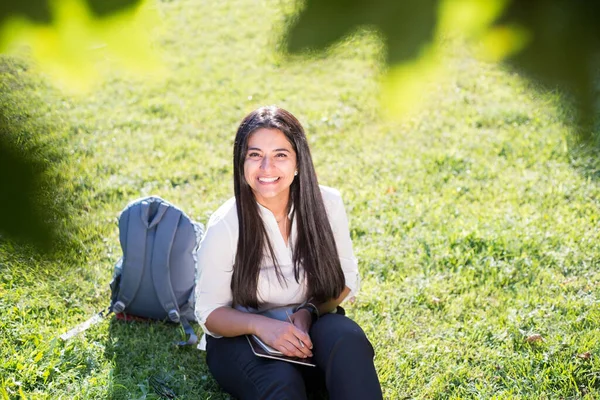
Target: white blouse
{"points": [[216, 257]]}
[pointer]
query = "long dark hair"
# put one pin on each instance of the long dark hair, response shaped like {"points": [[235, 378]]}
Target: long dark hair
{"points": [[315, 252]]}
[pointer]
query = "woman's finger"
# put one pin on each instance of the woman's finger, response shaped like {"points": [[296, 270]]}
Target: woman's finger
{"points": [[303, 337], [298, 338], [298, 351], [305, 348], [288, 349], [305, 345]]}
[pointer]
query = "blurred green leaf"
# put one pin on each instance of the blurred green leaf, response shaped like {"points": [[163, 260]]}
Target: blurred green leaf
{"points": [[107, 7], [78, 41], [35, 10], [563, 50], [405, 25], [40, 10], [555, 42]]}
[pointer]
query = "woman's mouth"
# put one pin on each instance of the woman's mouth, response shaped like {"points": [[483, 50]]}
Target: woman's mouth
{"points": [[268, 180]]}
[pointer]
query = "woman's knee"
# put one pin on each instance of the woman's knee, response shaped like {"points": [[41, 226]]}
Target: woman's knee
{"points": [[355, 340], [344, 353], [337, 332]]}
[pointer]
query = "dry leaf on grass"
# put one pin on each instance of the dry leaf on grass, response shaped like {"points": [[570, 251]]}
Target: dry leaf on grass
{"points": [[585, 356], [535, 338]]}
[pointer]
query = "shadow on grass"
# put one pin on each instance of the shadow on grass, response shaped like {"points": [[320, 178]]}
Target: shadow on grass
{"points": [[145, 351], [584, 140], [35, 188], [585, 159]]}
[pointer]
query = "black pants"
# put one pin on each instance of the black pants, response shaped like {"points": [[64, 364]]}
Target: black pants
{"points": [[342, 352]]}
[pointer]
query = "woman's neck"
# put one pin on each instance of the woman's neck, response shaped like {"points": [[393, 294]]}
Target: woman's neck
{"points": [[278, 206]]}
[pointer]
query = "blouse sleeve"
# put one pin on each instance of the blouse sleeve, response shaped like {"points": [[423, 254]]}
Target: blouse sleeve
{"points": [[215, 258], [341, 233]]}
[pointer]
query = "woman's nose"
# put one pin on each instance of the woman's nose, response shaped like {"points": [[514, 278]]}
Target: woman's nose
{"points": [[265, 163]]}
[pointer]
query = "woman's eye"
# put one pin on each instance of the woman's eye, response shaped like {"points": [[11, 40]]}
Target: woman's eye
{"points": [[253, 155], [281, 155]]}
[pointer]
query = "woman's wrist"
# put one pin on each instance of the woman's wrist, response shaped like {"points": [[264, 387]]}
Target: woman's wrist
{"points": [[311, 309], [305, 311], [255, 323]]}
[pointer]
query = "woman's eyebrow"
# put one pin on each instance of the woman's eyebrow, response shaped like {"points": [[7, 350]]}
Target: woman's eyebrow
{"points": [[281, 149]]}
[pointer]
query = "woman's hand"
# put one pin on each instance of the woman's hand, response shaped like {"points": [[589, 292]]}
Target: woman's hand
{"points": [[302, 320], [285, 337]]}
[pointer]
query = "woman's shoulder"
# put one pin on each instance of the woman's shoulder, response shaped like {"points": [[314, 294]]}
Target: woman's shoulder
{"points": [[225, 214], [330, 195], [332, 199]]}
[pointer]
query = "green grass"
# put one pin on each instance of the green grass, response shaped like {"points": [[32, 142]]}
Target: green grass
{"points": [[475, 220]]}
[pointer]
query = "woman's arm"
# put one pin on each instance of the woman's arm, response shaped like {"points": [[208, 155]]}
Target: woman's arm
{"points": [[228, 322], [283, 336]]}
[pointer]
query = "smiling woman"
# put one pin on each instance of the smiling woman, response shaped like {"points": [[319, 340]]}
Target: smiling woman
{"points": [[277, 261]]}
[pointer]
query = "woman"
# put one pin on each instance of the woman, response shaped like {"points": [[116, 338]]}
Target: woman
{"points": [[281, 248]]}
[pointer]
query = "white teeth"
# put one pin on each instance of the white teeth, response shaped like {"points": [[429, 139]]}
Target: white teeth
{"points": [[267, 180]]}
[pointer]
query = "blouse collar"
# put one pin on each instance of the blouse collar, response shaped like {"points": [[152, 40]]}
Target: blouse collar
{"points": [[266, 213]]}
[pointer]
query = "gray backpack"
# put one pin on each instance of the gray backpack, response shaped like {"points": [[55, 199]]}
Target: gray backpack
{"points": [[157, 274]]}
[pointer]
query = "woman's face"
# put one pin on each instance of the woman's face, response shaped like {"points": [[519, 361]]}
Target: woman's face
{"points": [[269, 166]]}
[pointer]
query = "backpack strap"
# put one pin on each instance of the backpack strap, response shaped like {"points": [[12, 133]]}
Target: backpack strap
{"points": [[85, 325], [189, 330], [161, 269], [134, 254]]}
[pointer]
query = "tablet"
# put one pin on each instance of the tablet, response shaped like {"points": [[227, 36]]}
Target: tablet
{"points": [[271, 351], [268, 352]]}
